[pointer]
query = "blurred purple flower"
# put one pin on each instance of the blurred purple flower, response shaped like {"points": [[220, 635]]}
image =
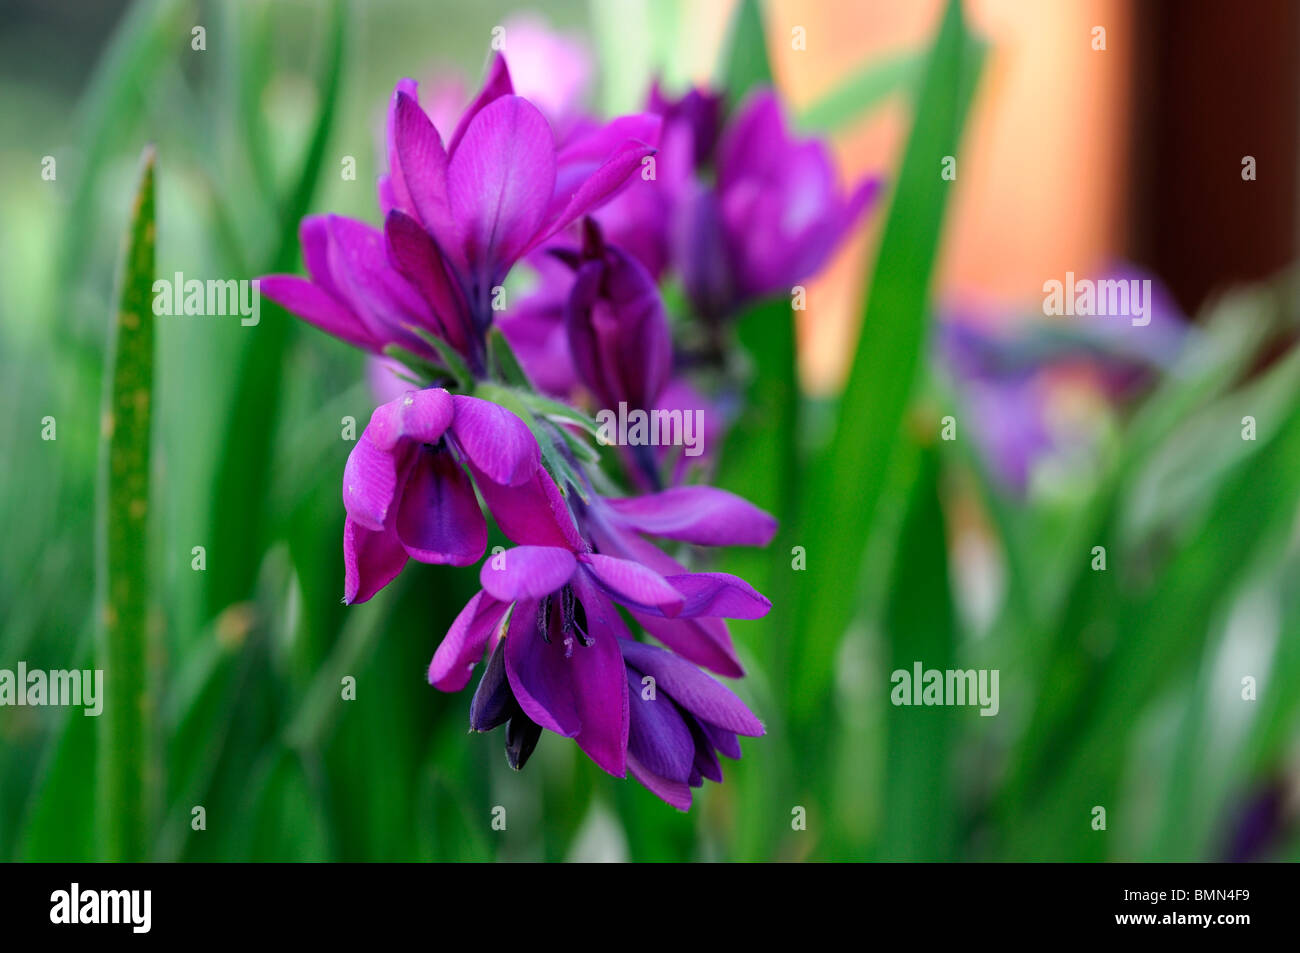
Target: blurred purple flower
{"points": [[617, 328]]}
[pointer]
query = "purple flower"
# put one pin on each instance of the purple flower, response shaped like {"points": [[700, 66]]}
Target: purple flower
{"points": [[769, 216], [457, 218], [702, 515], [778, 208], [679, 721], [560, 656], [617, 328], [406, 491]]}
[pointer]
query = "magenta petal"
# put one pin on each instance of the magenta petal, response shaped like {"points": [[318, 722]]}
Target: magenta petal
{"points": [[393, 192], [462, 647], [499, 184], [719, 594], [658, 737], [703, 515], [704, 641], [316, 306], [419, 415], [526, 572], [674, 793], [539, 674], [696, 692], [423, 165], [598, 188], [533, 513], [371, 560], [369, 483], [496, 441], [495, 85], [633, 584], [415, 254], [438, 518], [601, 700]]}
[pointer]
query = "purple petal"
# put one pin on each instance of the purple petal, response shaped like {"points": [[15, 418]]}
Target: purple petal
{"points": [[673, 793], [703, 641], [424, 164], [419, 415], [497, 442], [393, 192], [371, 560], [527, 572], [703, 515], [539, 674], [499, 183], [316, 306], [416, 256], [658, 736], [633, 584], [381, 298], [720, 595], [725, 741], [532, 513], [696, 692], [462, 647], [369, 483], [601, 699], [599, 187], [438, 517], [495, 85]]}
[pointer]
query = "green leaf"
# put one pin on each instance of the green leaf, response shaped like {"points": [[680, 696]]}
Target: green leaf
{"points": [[920, 626], [451, 359], [861, 93], [847, 480], [143, 46], [125, 740], [745, 64], [501, 358], [239, 505]]}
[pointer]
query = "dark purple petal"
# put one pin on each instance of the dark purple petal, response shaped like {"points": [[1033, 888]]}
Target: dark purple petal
{"points": [[601, 699], [539, 674], [721, 739], [416, 256], [499, 183], [694, 691], [673, 793], [720, 595], [462, 647], [703, 515], [495, 440], [438, 517], [657, 734], [633, 584], [493, 703], [618, 331], [703, 641], [371, 560], [527, 572]]}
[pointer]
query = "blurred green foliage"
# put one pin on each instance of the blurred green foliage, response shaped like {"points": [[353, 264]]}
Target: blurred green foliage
{"points": [[1119, 688]]}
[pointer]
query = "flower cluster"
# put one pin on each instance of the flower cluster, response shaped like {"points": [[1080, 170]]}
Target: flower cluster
{"points": [[603, 214]]}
